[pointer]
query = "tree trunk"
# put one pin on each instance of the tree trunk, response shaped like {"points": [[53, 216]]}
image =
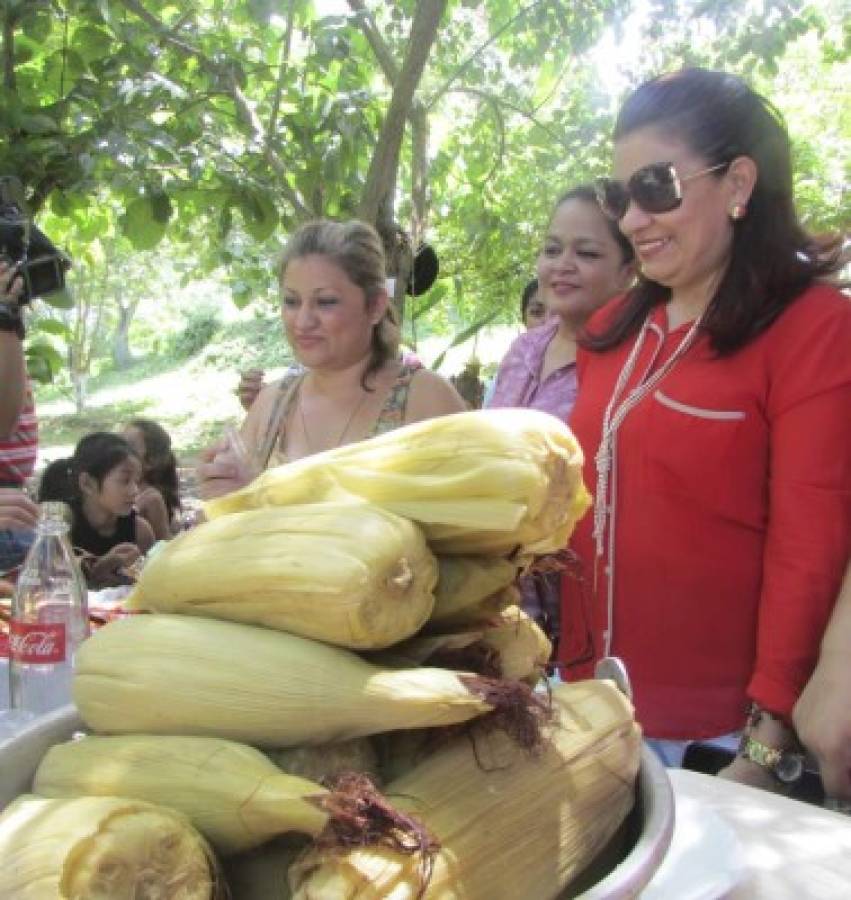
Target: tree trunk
{"points": [[376, 205], [122, 356]]}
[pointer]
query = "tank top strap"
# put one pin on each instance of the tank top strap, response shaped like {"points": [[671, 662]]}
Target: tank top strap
{"points": [[281, 405], [392, 414]]}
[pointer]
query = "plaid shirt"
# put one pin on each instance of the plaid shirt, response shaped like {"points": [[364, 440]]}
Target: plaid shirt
{"points": [[18, 453]]}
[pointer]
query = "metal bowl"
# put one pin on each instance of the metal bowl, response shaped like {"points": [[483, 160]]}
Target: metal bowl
{"points": [[623, 869]]}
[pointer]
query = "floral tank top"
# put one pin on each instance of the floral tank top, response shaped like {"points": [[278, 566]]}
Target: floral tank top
{"points": [[391, 416]]}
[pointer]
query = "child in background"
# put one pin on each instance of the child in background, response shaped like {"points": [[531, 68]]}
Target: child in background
{"points": [[100, 483], [159, 497]]}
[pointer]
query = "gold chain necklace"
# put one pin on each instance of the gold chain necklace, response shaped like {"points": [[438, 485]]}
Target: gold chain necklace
{"points": [[355, 410]]}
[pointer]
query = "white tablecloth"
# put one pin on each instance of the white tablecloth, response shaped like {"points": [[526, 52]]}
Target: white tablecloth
{"points": [[741, 843]]}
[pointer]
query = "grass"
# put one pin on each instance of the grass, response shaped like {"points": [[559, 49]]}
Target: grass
{"points": [[193, 399]]}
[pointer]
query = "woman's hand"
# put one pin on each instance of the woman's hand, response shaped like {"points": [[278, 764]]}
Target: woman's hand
{"points": [[250, 385], [224, 467], [745, 771], [17, 511], [822, 717], [772, 732]]}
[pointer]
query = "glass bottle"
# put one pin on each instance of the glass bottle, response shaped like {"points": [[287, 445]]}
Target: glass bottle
{"points": [[49, 618]]}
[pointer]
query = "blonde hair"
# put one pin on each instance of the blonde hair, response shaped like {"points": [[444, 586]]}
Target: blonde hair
{"points": [[356, 248]]}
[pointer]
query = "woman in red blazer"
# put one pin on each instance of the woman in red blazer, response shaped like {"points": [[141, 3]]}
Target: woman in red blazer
{"points": [[715, 413]]}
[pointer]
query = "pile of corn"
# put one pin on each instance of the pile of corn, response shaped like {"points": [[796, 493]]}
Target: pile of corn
{"points": [[329, 619]]}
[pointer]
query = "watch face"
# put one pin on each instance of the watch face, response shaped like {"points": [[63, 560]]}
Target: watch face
{"points": [[790, 767]]}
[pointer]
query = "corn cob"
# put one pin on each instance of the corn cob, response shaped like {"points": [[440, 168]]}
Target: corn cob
{"points": [[166, 674], [510, 824], [325, 762], [490, 482], [471, 589], [370, 583], [100, 848], [231, 793]]}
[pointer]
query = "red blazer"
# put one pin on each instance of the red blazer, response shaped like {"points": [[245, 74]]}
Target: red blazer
{"points": [[732, 518]]}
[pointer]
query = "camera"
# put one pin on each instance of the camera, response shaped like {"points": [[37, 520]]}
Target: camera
{"points": [[29, 252]]}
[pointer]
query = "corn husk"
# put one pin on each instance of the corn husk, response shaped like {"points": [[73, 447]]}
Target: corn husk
{"points": [[509, 824], [160, 674], [471, 589], [231, 793], [522, 648], [100, 848], [327, 761], [349, 574], [510, 645], [489, 482]]}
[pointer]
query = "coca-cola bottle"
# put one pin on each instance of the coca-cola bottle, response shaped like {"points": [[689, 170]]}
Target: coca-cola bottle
{"points": [[49, 618]]}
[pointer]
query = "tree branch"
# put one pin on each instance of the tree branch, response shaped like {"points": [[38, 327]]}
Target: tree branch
{"points": [[244, 111], [376, 203], [283, 63], [500, 101], [479, 50], [9, 52], [373, 36]]}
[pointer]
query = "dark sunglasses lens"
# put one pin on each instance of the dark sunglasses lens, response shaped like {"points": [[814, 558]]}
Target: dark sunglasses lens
{"points": [[655, 188], [613, 198]]}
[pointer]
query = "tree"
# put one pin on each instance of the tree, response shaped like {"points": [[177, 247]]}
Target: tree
{"points": [[459, 120]]}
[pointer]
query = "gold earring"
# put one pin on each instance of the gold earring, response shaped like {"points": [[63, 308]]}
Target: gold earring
{"points": [[738, 211]]}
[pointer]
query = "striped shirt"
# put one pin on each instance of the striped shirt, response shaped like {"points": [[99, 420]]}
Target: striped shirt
{"points": [[19, 451]]}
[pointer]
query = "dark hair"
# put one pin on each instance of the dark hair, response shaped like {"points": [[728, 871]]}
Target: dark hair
{"points": [[96, 454], [772, 258], [528, 293], [159, 463], [585, 193], [357, 249]]}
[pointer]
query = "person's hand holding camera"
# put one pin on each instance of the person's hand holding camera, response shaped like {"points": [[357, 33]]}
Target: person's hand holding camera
{"points": [[10, 284], [11, 287]]}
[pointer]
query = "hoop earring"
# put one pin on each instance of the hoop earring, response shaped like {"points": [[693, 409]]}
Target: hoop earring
{"points": [[738, 211]]}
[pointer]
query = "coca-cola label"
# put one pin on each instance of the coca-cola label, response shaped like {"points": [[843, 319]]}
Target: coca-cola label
{"points": [[4, 645], [37, 643]]}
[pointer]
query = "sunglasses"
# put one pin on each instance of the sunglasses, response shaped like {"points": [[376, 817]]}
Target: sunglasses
{"points": [[656, 188]]}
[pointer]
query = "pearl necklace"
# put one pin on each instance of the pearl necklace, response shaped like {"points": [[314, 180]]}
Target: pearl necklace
{"points": [[617, 411]]}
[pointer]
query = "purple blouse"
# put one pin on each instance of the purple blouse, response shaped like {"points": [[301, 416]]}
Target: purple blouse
{"points": [[518, 381]]}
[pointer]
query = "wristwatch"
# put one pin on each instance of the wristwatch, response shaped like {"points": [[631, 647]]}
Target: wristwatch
{"points": [[11, 319], [787, 766]]}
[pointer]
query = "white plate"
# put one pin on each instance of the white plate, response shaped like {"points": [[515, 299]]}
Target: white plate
{"points": [[704, 861]]}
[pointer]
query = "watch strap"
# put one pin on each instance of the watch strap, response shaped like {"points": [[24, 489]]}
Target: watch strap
{"points": [[787, 766]]}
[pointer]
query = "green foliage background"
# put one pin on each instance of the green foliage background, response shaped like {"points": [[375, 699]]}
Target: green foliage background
{"points": [[168, 145]]}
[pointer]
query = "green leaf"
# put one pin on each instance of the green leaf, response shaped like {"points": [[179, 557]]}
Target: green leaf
{"points": [[60, 299], [141, 224], [259, 214], [161, 207], [53, 326], [92, 43], [43, 360], [38, 123], [430, 300], [464, 336]]}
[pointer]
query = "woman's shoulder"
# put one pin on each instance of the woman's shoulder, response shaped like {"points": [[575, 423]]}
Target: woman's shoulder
{"points": [[821, 310], [602, 318], [431, 395]]}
